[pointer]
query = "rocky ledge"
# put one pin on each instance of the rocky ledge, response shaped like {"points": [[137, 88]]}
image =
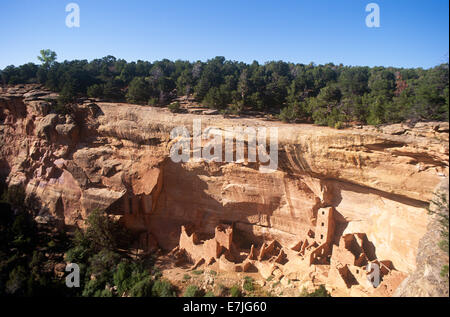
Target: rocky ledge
{"points": [[378, 182]]}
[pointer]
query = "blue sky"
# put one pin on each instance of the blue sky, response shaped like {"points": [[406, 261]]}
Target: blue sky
{"points": [[413, 33]]}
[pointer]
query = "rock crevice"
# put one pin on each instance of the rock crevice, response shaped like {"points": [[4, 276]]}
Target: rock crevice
{"points": [[116, 157]]}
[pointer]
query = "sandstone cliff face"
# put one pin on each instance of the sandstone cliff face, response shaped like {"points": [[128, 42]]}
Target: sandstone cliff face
{"points": [[426, 280], [115, 157]]}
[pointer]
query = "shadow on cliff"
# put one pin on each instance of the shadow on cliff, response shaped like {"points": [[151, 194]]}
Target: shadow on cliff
{"points": [[337, 186], [187, 198], [5, 169], [369, 248], [292, 162], [17, 197], [86, 118], [340, 225]]}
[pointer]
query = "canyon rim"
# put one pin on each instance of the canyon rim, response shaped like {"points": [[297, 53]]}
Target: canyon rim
{"points": [[338, 200]]}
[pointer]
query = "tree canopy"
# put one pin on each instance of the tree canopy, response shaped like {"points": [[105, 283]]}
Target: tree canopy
{"points": [[47, 57], [323, 94]]}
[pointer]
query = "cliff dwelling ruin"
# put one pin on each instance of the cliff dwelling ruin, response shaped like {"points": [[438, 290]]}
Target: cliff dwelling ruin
{"points": [[339, 200], [317, 256]]}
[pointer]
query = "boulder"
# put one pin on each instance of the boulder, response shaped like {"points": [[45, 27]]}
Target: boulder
{"points": [[46, 126]]}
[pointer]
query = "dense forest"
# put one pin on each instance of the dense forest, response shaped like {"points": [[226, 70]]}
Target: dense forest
{"points": [[332, 95]]}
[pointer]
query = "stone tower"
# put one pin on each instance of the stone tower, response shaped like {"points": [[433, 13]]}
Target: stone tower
{"points": [[325, 225]]}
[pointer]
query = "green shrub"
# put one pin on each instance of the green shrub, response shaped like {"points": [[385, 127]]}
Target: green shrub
{"points": [[198, 272], [444, 271], [191, 291], [67, 97], [127, 275], [102, 232], [235, 108], [186, 277], [121, 277], [291, 113], [103, 262], [95, 91], [103, 293], [319, 292], [248, 284], [153, 101], [339, 125], [209, 294], [235, 291], [162, 288], [216, 98], [139, 91], [174, 107], [142, 288], [77, 254], [94, 287]]}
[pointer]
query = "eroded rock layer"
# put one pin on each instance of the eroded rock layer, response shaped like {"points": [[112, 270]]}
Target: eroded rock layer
{"points": [[115, 157]]}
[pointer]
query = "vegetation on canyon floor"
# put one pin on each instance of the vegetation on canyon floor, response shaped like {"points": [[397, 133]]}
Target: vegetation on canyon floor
{"points": [[33, 258], [332, 95], [320, 292], [28, 254]]}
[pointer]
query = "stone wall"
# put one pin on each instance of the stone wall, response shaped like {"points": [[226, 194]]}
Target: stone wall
{"points": [[115, 157]]}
